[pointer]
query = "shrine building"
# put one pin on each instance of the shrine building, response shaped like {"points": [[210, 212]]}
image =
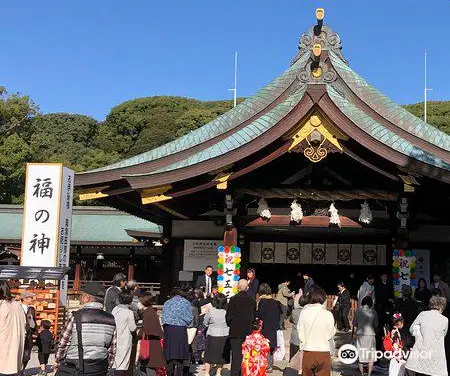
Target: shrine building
{"points": [[317, 171]]}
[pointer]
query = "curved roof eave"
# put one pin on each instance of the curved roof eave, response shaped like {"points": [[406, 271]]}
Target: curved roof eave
{"points": [[269, 128], [380, 133], [388, 109], [226, 122]]}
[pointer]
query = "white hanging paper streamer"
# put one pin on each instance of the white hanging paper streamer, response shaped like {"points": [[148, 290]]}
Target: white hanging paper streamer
{"points": [[263, 209], [334, 216], [365, 216], [296, 212]]}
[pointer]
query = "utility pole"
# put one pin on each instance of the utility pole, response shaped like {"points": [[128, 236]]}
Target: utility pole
{"points": [[234, 90], [425, 90]]}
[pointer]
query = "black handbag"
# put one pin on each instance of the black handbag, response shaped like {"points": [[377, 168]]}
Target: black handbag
{"points": [[68, 369]]}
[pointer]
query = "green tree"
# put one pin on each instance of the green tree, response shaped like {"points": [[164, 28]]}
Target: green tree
{"points": [[16, 113], [68, 139], [438, 113]]}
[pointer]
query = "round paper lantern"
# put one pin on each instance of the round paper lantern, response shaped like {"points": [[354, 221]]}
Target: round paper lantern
{"points": [[238, 266], [220, 271], [401, 252], [395, 252], [221, 248], [236, 278], [235, 290], [237, 260], [220, 277], [220, 289], [220, 260], [220, 266], [407, 253], [237, 272]]}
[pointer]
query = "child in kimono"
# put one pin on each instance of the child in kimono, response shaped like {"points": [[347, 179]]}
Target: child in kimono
{"points": [[397, 363]]}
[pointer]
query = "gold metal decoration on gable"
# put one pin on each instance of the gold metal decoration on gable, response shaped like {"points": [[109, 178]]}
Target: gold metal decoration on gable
{"points": [[92, 193], [317, 49], [222, 180], [150, 196], [317, 72], [314, 140]]}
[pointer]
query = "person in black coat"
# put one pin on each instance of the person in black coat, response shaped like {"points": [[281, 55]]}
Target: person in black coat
{"points": [[239, 317], [206, 281], [253, 283], [112, 294], [45, 343], [269, 312], [422, 293], [309, 284], [344, 305], [384, 293]]}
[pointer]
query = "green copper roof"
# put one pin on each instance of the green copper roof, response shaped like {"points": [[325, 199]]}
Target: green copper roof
{"points": [[381, 133], [89, 224], [224, 123], [250, 132], [387, 108]]}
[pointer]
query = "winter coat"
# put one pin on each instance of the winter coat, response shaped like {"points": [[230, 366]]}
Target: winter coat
{"points": [[284, 294], [366, 289], [12, 336], [269, 311], [125, 326], [433, 328], [153, 331]]}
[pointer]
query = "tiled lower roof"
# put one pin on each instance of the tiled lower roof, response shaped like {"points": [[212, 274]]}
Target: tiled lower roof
{"points": [[88, 225]]}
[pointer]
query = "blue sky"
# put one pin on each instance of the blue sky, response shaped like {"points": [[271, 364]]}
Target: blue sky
{"points": [[86, 56]]}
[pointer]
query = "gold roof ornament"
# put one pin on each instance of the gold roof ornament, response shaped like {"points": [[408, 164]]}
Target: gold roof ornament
{"points": [[320, 14], [92, 193], [222, 180], [150, 196], [315, 140]]}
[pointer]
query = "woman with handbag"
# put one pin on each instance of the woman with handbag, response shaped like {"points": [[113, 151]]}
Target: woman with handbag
{"points": [[151, 334], [316, 332], [217, 349], [176, 318]]}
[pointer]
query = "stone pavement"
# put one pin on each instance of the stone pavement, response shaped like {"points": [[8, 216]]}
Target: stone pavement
{"points": [[338, 369]]}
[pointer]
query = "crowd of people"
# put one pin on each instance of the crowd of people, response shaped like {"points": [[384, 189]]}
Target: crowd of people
{"points": [[119, 330]]}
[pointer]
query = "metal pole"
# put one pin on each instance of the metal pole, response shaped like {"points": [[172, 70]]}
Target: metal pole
{"points": [[235, 78], [425, 92]]}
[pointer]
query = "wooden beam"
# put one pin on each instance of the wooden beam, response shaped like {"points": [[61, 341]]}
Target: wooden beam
{"points": [[171, 211]]}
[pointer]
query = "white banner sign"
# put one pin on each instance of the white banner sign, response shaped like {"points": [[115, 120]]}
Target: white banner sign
{"points": [[47, 220], [199, 253], [229, 263]]}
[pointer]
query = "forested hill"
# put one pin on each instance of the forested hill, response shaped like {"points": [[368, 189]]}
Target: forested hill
{"points": [[82, 143]]}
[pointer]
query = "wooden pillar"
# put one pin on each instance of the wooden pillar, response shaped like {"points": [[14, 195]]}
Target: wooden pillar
{"points": [[76, 282], [131, 263], [167, 258]]}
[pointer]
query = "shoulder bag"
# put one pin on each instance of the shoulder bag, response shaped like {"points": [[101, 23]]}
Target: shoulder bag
{"points": [[330, 341], [144, 348], [67, 369]]}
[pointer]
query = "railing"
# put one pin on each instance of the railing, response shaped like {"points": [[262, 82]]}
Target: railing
{"points": [[152, 287]]}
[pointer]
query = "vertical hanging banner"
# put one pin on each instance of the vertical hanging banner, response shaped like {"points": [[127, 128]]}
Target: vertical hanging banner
{"points": [[403, 270], [47, 219], [228, 270]]}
